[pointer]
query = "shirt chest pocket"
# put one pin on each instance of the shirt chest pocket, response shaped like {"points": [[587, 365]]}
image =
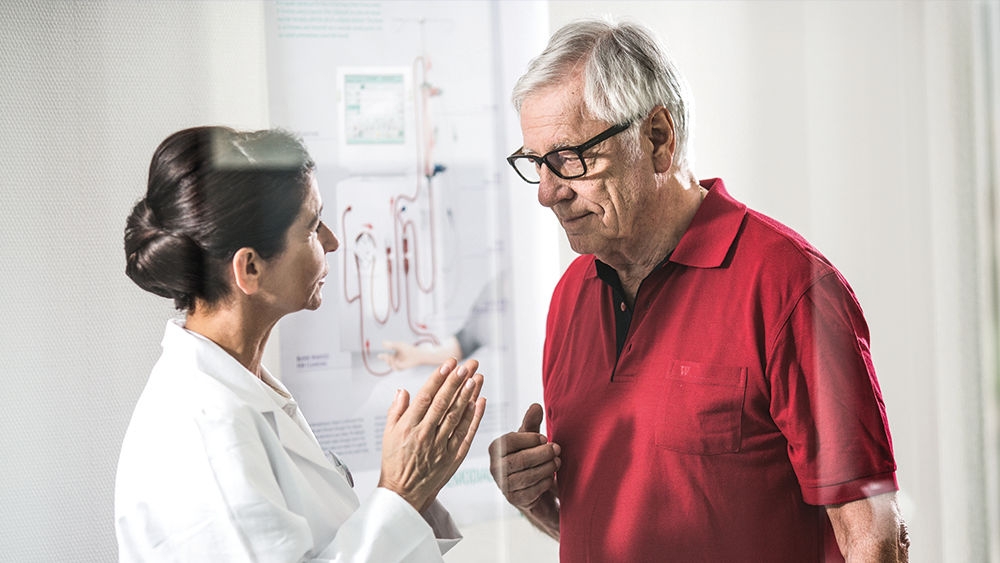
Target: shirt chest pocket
{"points": [[701, 410]]}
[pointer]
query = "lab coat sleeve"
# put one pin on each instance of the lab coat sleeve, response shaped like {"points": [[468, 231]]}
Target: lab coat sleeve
{"points": [[444, 527], [250, 482], [387, 528]]}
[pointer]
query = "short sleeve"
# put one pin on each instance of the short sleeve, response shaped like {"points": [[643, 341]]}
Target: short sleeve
{"points": [[826, 399]]}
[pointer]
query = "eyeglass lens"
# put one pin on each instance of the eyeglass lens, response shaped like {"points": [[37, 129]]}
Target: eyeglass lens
{"points": [[566, 163]]}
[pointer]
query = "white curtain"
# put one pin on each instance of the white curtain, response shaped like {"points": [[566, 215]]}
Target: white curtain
{"points": [[986, 112]]}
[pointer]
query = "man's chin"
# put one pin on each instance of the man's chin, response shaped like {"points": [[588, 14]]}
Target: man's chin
{"points": [[579, 244]]}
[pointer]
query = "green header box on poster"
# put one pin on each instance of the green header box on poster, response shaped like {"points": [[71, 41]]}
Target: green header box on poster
{"points": [[374, 109]]}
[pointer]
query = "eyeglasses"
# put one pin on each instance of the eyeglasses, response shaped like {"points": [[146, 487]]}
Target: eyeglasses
{"points": [[567, 163]]}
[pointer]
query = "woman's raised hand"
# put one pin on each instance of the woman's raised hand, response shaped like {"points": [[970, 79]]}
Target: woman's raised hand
{"points": [[425, 442]]}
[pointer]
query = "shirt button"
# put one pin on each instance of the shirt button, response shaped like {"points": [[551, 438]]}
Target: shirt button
{"points": [[623, 306]]}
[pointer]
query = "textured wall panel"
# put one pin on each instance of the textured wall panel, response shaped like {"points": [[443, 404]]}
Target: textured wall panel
{"points": [[87, 90]]}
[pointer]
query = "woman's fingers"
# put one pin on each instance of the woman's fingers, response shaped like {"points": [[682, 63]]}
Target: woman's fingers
{"points": [[459, 416], [461, 439], [399, 404], [427, 438], [458, 408], [441, 400], [440, 380]]}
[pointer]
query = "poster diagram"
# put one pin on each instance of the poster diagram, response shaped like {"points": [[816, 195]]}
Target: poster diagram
{"points": [[404, 129], [389, 266], [389, 239]]}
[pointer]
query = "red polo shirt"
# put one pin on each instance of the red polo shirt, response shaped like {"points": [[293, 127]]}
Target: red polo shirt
{"points": [[743, 399]]}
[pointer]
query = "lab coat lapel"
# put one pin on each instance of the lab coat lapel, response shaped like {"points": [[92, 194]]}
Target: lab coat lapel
{"points": [[217, 364], [295, 440]]}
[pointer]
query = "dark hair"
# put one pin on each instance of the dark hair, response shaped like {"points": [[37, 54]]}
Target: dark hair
{"points": [[212, 191]]}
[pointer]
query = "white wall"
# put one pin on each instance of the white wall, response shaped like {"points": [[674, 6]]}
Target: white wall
{"points": [[87, 91], [846, 120]]}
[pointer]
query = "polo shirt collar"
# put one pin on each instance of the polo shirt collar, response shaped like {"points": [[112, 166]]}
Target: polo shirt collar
{"points": [[711, 234], [708, 238]]}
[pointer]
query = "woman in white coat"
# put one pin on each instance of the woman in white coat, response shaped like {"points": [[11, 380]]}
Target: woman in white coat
{"points": [[218, 463]]}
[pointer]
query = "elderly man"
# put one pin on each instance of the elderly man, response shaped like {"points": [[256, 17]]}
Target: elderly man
{"points": [[709, 389]]}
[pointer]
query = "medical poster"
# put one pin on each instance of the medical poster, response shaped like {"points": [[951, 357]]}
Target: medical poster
{"points": [[399, 104]]}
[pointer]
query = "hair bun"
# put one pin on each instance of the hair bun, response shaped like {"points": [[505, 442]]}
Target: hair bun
{"points": [[160, 261], [212, 191]]}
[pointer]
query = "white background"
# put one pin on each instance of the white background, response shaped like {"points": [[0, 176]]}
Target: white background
{"points": [[864, 125]]}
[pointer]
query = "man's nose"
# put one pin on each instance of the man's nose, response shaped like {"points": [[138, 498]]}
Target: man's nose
{"points": [[551, 188]]}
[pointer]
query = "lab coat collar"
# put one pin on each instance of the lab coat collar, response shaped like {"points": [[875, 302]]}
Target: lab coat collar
{"points": [[212, 361]]}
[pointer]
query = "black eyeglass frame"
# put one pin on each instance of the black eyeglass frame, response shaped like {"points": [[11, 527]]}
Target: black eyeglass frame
{"points": [[578, 150]]}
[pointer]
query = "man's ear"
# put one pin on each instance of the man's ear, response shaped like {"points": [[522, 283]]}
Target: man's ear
{"points": [[661, 134], [247, 268]]}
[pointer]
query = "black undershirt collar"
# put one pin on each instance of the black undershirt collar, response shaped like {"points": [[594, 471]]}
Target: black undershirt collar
{"points": [[623, 313]]}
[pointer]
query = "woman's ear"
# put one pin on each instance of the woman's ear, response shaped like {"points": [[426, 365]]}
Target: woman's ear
{"points": [[661, 135], [247, 267]]}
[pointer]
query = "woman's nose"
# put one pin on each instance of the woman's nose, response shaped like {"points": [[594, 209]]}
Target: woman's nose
{"points": [[329, 240]]}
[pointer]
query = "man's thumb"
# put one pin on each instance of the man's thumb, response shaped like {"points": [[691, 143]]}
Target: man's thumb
{"points": [[532, 419]]}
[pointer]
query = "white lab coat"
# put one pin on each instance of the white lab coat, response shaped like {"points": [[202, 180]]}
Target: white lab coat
{"points": [[213, 468]]}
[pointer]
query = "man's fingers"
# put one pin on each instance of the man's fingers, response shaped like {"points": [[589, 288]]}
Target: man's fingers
{"points": [[513, 442], [532, 419], [515, 467], [523, 478], [528, 474], [529, 495], [526, 460], [524, 463]]}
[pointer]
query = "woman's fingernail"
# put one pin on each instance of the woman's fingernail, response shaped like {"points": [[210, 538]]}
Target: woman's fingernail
{"points": [[463, 371]]}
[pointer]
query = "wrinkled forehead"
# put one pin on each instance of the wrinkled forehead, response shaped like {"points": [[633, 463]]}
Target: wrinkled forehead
{"points": [[554, 117]]}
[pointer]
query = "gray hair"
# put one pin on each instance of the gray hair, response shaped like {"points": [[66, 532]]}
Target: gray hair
{"points": [[625, 72]]}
